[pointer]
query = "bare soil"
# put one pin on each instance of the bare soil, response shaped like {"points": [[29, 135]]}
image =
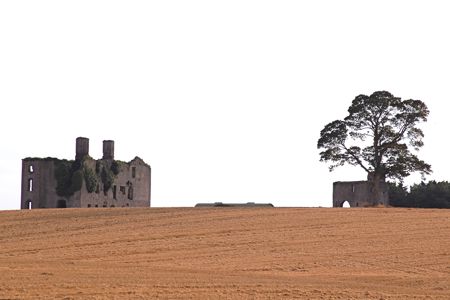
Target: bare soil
{"points": [[225, 253]]}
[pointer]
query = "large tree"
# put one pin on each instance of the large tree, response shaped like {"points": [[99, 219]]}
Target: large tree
{"points": [[377, 135]]}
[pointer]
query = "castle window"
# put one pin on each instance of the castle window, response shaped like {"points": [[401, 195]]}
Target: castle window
{"points": [[122, 190], [96, 205], [89, 205], [28, 204], [30, 185], [130, 193], [30, 169], [353, 188], [133, 172], [114, 192]]}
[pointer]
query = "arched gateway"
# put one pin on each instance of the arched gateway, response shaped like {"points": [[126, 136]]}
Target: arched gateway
{"points": [[358, 194]]}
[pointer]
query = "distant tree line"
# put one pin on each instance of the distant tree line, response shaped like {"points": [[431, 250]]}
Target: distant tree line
{"points": [[423, 195]]}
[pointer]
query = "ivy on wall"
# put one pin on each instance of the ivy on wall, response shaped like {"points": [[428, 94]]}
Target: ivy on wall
{"points": [[69, 176], [107, 177], [115, 168], [91, 179]]}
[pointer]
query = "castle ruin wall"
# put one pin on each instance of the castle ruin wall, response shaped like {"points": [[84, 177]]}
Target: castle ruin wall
{"points": [[359, 194], [130, 184]]}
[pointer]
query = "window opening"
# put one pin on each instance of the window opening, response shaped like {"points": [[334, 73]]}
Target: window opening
{"points": [[122, 190], [29, 204], [130, 193], [114, 192], [30, 185], [133, 172], [30, 169]]}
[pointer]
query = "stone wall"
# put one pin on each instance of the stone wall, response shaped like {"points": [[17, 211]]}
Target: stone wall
{"points": [[34, 183], [126, 190], [131, 183], [39, 185], [358, 194]]}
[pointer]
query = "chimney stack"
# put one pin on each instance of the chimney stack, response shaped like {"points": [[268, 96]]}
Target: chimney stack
{"points": [[81, 148], [108, 149]]}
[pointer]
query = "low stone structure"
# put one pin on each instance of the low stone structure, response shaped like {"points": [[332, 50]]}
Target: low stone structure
{"points": [[359, 194], [221, 204], [85, 182]]}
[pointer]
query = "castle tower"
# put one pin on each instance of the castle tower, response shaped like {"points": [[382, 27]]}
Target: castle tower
{"points": [[82, 148], [58, 183], [108, 149]]}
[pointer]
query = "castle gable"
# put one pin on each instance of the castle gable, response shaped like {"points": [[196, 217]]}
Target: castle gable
{"points": [[85, 182]]}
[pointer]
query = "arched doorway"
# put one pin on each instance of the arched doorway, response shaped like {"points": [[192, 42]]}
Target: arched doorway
{"points": [[61, 203], [345, 204]]}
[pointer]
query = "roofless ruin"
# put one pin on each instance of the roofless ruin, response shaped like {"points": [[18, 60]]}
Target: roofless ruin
{"points": [[85, 182]]}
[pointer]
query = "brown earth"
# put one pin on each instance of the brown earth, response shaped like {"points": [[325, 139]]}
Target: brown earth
{"points": [[223, 253]]}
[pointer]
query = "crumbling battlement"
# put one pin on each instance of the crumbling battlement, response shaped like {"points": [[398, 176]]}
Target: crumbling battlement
{"points": [[85, 182]]}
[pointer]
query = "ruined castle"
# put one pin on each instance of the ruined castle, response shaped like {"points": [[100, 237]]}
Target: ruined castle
{"points": [[85, 182], [359, 193]]}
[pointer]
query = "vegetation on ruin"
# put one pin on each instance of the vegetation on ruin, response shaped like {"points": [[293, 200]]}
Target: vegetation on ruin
{"points": [[377, 136], [91, 180], [106, 173], [107, 177], [69, 175], [115, 167], [43, 159]]}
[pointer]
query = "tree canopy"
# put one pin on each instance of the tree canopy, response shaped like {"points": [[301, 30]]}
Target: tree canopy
{"points": [[377, 135], [424, 195]]}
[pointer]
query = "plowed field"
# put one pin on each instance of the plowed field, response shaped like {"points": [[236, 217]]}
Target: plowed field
{"points": [[225, 253]]}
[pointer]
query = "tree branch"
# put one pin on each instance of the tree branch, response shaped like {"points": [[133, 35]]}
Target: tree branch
{"points": [[356, 158]]}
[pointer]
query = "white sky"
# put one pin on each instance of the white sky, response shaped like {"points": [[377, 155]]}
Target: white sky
{"points": [[224, 99]]}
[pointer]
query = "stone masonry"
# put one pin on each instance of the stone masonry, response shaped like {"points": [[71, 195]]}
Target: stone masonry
{"points": [[359, 194], [85, 182]]}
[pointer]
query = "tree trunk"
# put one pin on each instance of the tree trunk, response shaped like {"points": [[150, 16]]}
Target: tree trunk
{"points": [[376, 179]]}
